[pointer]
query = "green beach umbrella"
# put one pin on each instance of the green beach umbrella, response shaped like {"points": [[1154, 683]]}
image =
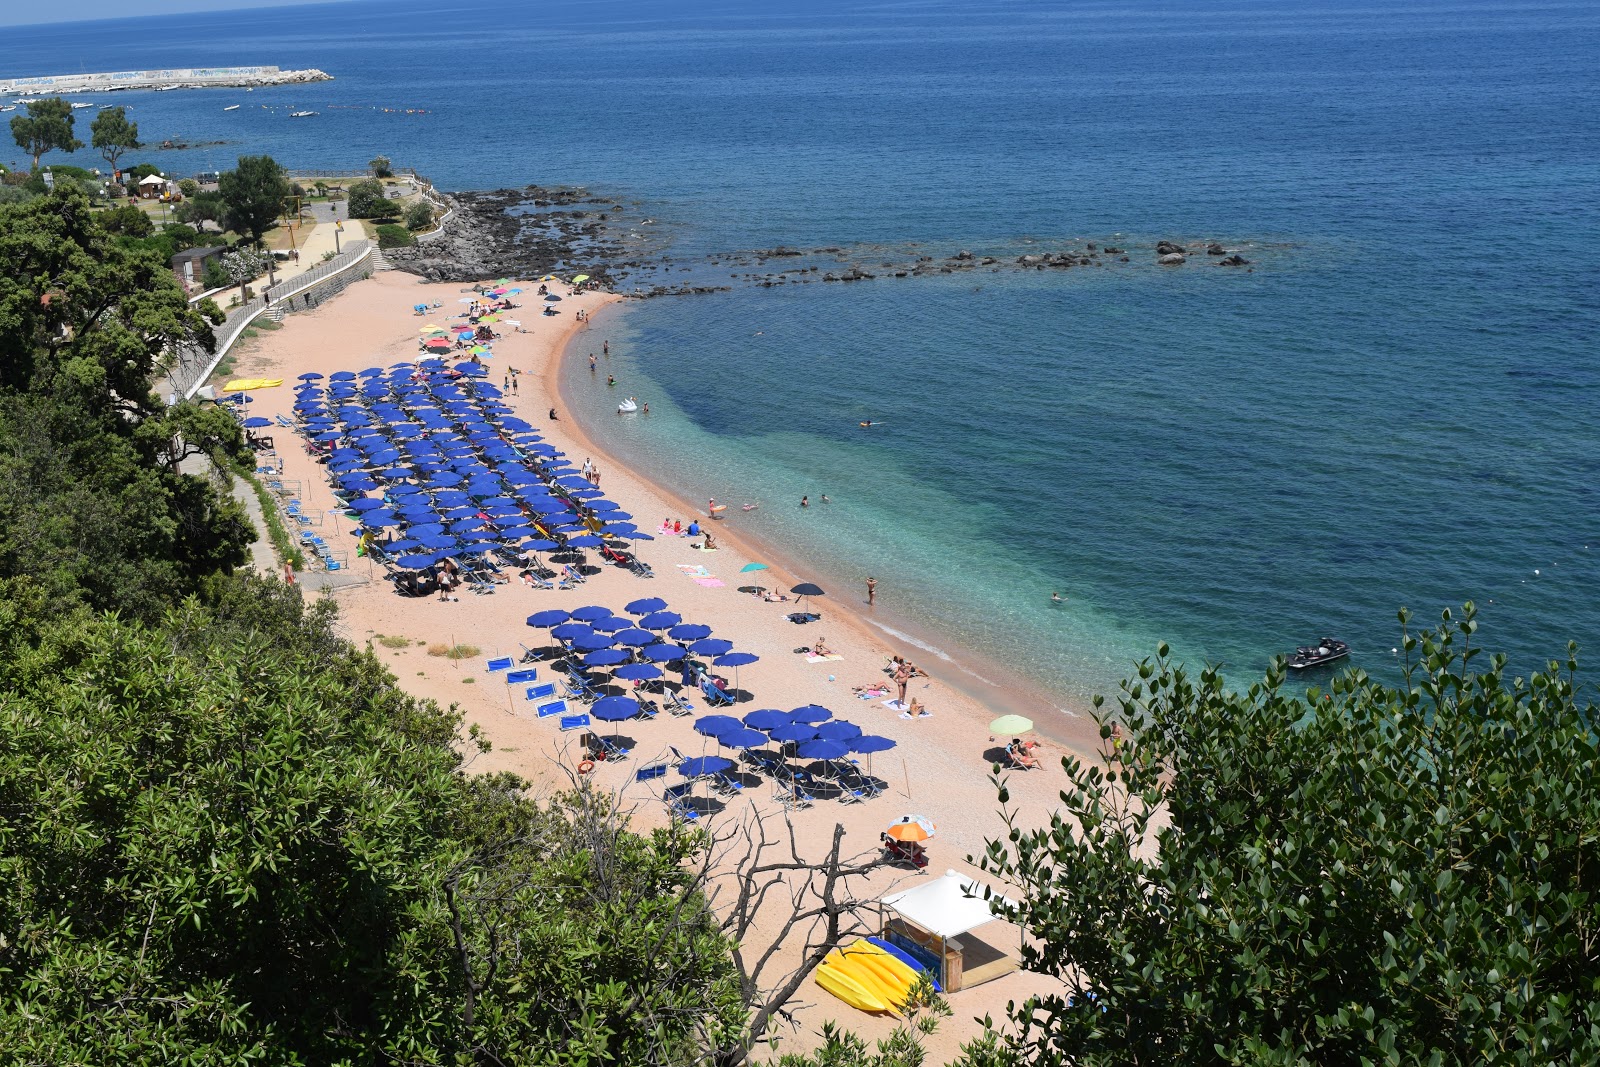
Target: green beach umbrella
{"points": [[752, 567], [1011, 724]]}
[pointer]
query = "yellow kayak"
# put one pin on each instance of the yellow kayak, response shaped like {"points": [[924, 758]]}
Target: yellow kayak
{"points": [[848, 988]]}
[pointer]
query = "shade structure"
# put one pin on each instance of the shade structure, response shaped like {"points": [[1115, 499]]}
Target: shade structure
{"points": [[548, 617], [590, 612], [712, 725], [736, 659], [870, 743], [811, 713], [807, 589], [912, 828], [591, 642], [614, 709], [822, 749], [838, 730], [663, 653], [606, 657], [422, 559], [569, 630], [646, 605], [636, 637], [793, 731], [946, 907], [365, 503], [637, 672], [710, 646], [690, 631], [701, 766], [660, 620], [256, 422], [611, 625], [1011, 724], [767, 719], [741, 738], [748, 567]]}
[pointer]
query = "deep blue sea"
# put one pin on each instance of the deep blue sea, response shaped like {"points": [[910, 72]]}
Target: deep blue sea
{"points": [[1397, 406]]}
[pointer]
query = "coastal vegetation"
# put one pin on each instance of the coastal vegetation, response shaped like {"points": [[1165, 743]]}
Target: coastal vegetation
{"points": [[44, 127], [113, 135], [368, 200], [1367, 875], [254, 192]]}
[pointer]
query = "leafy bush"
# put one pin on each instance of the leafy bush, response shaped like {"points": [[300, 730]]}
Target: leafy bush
{"points": [[126, 221], [188, 187], [381, 167], [419, 216], [392, 236], [212, 276], [368, 202]]}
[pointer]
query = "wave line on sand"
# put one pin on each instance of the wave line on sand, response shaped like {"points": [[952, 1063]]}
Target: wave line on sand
{"points": [[937, 651]]}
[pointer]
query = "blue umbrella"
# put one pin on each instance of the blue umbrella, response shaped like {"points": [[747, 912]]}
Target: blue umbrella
{"points": [[310, 376], [610, 625], [606, 657], [255, 421], [741, 738], [637, 638], [767, 719], [568, 630], [663, 653], [591, 642], [660, 620], [421, 559], [689, 631], [736, 659], [585, 541], [591, 612], [794, 731], [709, 646], [870, 743], [701, 766], [712, 725], [636, 672], [811, 713], [838, 730], [614, 709], [823, 750], [380, 519], [365, 503], [646, 606]]}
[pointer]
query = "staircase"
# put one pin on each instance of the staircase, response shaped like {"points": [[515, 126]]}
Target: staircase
{"points": [[275, 313], [378, 261]]}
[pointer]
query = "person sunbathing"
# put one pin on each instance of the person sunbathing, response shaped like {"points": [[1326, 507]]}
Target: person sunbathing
{"points": [[917, 709], [1020, 754], [820, 649], [774, 598]]}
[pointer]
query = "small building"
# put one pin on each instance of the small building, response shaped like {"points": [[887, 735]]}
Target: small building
{"points": [[190, 265], [933, 924]]}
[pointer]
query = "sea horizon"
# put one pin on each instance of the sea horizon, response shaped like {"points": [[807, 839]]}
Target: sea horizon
{"points": [[1387, 409]]}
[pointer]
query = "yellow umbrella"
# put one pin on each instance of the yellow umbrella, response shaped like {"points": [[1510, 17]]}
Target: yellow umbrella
{"points": [[1011, 724], [244, 385], [580, 278]]}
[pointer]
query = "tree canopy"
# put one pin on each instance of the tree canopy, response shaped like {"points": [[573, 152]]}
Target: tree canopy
{"points": [[1371, 875], [254, 192], [113, 134], [45, 127]]}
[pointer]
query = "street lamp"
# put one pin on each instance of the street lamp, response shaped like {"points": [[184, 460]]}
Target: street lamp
{"points": [[338, 228]]}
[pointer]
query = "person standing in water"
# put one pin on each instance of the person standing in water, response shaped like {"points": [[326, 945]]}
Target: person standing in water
{"points": [[805, 502], [606, 348], [872, 590], [611, 379], [592, 363]]}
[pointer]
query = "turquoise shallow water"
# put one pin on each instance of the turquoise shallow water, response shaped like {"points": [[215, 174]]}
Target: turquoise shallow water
{"points": [[1395, 408]]}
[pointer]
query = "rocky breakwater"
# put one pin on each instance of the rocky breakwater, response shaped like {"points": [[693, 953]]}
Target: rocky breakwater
{"points": [[1169, 254]]}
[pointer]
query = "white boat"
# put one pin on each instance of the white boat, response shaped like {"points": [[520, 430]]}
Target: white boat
{"points": [[8, 107], [301, 114], [628, 406], [231, 107], [80, 107]]}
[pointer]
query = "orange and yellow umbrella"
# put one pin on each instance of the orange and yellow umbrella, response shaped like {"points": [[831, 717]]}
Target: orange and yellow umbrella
{"points": [[912, 828]]}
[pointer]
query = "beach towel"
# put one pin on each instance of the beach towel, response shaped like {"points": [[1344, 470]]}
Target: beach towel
{"points": [[694, 570], [812, 657], [708, 582], [895, 705]]}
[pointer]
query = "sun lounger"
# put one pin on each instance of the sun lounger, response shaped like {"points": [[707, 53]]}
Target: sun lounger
{"points": [[574, 722], [501, 664], [649, 771], [727, 785], [611, 749], [578, 688], [714, 696], [572, 575], [677, 797], [554, 707], [542, 691], [518, 677]]}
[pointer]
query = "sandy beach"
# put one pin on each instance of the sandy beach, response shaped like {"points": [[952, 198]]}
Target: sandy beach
{"points": [[939, 769]]}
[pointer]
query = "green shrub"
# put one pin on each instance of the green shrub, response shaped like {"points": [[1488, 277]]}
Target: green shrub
{"points": [[188, 187], [368, 202], [392, 236], [419, 216], [126, 221], [212, 276]]}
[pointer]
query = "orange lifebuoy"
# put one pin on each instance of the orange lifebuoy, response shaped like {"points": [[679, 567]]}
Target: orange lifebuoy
{"points": [[585, 766]]}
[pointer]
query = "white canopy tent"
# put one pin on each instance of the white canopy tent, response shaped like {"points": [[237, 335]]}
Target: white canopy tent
{"points": [[945, 907], [152, 179]]}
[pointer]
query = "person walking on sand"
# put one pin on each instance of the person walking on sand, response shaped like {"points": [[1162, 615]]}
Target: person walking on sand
{"points": [[872, 590]]}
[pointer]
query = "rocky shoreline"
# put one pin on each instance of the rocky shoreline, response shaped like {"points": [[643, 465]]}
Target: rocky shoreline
{"points": [[527, 233]]}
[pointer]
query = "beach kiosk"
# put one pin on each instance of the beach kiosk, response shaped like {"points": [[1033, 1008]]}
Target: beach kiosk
{"points": [[934, 924]]}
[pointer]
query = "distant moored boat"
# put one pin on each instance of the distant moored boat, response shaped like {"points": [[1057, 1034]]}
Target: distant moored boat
{"points": [[1325, 651], [301, 114], [231, 107]]}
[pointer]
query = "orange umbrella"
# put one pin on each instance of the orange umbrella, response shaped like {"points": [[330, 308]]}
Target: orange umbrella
{"points": [[912, 828]]}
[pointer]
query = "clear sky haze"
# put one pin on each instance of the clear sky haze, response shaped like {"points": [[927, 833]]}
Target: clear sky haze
{"points": [[20, 12]]}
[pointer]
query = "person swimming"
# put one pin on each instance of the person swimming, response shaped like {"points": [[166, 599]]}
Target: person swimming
{"points": [[864, 424], [1057, 598]]}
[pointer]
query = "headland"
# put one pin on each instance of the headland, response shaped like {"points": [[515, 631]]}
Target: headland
{"points": [[171, 78]]}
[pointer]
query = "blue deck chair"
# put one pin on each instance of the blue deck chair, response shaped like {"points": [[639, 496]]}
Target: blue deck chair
{"points": [[542, 691], [676, 797], [501, 664], [612, 750], [526, 674], [676, 704], [578, 688], [714, 696], [574, 722], [649, 771], [555, 707]]}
